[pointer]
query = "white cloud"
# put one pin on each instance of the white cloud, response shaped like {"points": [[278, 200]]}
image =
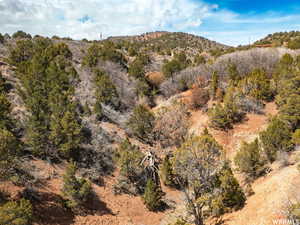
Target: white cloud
{"points": [[112, 17]]}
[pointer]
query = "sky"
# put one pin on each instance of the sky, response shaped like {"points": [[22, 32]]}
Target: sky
{"points": [[231, 22]]}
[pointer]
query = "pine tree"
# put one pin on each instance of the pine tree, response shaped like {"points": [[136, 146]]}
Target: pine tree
{"points": [[66, 133], [9, 148], [75, 190], [152, 196]]}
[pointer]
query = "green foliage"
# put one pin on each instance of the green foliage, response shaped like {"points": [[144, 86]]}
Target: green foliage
{"points": [[294, 212], [66, 134], [171, 67], [296, 137], [231, 196], [294, 43], [75, 190], [258, 86], [166, 171], [249, 160], [199, 59], [180, 222], [5, 121], [129, 159], [9, 148], [16, 213], [277, 137], [47, 79], [21, 34], [107, 51], [1, 39], [196, 164], [219, 118], [291, 110], [136, 69], [106, 91], [141, 122], [152, 196], [234, 75], [223, 117], [214, 84]]}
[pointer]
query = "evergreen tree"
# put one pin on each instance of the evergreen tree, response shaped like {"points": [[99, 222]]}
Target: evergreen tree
{"points": [[276, 138], [129, 158], [167, 174], [141, 122], [249, 160], [219, 118], [9, 148], [106, 91], [233, 74], [152, 196], [75, 190], [214, 84], [231, 194]]}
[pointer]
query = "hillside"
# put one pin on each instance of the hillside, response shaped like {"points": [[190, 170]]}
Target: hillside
{"points": [[288, 39], [154, 129]]}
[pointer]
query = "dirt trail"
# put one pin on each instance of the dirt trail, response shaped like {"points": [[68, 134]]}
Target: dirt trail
{"points": [[245, 131]]}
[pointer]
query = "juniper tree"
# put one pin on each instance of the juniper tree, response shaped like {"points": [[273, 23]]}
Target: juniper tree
{"points": [[230, 195], [152, 196], [141, 123], [276, 138], [196, 164], [249, 160]]}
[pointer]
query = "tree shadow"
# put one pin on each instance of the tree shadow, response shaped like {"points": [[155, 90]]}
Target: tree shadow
{"points": [[96, 207], [49, 209]]}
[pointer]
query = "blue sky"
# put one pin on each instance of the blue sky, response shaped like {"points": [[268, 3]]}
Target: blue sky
{"points": [[232, 22]]}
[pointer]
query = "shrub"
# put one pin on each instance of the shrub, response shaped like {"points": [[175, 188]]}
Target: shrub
{"points": [[277, 137], [152, 196], [296, 137], [214, 84], [249, 160], [141, 122], [199, 59], [294, 43], [1, 39], [171, 125], [167, 174], [171, 67], [219, 118], [291, 111], [75, 190], [21, 34], [129, 159], [16, 213], [106, 91], [199, 98], [258, 86], [136, 69]]}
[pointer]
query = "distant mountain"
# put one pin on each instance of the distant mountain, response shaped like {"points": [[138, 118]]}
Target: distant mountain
{"points": [[165, 41], [288, 39]]}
